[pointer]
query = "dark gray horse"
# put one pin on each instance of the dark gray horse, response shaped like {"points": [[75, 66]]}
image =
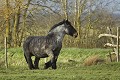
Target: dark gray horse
{"points": [[47, 46]]}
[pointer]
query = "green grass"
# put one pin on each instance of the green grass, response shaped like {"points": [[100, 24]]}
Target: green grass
{"points": [[70, 67]]}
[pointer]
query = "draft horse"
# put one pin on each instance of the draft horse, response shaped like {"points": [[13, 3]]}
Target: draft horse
{"points": [[47, 46]]}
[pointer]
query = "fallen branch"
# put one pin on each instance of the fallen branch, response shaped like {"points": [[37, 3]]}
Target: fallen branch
{"points": [[110, 45], [107, 35]]}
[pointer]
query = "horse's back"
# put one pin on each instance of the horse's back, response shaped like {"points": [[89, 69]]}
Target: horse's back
{"points": [[35, 46], [34, 37], [32, 40]]}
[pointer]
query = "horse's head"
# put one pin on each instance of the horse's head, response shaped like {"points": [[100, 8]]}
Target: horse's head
{"points": [[69, 29], [64, 27]]}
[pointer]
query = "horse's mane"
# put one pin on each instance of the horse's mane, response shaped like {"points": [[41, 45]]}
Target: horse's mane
{"points": [[60, 23]]}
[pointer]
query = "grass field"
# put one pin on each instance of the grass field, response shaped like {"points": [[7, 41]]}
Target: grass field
{"points": [[70, 67]]}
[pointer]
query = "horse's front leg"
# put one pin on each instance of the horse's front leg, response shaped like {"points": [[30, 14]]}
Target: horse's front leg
{"points": [[54, 66], [36, 62], [53, 62]]}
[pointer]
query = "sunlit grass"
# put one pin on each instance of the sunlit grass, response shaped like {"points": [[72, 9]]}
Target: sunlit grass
{"points": [[69, 67]]}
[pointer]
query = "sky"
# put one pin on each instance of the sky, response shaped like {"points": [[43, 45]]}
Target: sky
{"points": [[113, 6]]}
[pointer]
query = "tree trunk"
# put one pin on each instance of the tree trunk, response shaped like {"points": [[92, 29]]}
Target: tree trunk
{"points": [[65, 11], [112, 41], [24, 22], [79, 9], [16, 25], [64, 8], [117, 44], [7, 24]]}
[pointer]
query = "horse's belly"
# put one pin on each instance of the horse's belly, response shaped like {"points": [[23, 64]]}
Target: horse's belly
{"points": [[41, 55]]}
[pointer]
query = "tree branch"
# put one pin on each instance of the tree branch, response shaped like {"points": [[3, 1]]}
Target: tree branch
{"points": [[46, 7], [110, 45], [107, 35]]}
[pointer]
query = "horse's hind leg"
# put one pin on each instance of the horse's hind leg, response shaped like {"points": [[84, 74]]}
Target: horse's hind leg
{"points": [[36, 62], [29, 61], [52, 61]]}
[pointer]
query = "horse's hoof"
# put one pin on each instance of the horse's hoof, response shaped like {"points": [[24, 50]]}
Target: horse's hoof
{"points": [[54, 67], [46, 67], [31, 68], [36, 68]]}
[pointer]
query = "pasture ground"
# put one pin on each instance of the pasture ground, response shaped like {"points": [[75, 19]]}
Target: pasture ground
{"points": [[70, 66]]}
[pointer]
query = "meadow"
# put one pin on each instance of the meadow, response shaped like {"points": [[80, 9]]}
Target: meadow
{"points": [[70, 66]]}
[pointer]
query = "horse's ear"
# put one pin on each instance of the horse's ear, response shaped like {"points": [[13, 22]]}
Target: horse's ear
{"points": [[65, 20]]}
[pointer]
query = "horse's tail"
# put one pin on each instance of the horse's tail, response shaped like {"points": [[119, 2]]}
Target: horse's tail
{"points": [[26, 47], [26, 43]]}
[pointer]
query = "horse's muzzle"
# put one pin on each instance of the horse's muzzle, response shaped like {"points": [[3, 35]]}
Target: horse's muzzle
{"points": [[75, 35]]}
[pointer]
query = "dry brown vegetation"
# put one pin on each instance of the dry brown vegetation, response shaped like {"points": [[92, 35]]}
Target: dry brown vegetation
{"points": [[93, 60], [96, 59]]}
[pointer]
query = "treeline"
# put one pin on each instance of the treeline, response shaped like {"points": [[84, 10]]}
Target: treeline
{"points": [[22, 18]]}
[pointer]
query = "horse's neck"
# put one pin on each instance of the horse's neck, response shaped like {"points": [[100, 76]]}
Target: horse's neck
{"points": [[58, 33], [58, 36]]}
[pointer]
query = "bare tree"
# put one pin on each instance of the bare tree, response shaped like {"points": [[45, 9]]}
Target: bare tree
{"points": [[7, 19], [16, 22], [64, 4]]}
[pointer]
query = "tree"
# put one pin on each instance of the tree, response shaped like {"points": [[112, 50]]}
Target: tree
{"points": [[12, 13], [21, 18], [79, 8], [64, 8], [7, 20], [24, 21], [16, 22]]}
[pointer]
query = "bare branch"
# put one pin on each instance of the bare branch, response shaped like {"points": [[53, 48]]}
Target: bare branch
{"points": [[110, 45], [46, 7], [107, 35]]}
